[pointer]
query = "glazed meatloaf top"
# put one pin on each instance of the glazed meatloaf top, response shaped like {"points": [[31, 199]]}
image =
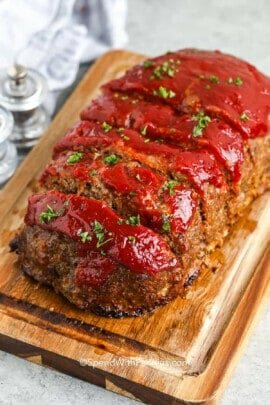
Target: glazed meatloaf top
{"points": [[149, 182]]}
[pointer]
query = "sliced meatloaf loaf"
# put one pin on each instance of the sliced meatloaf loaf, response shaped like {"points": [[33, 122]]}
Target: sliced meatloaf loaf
{"points": [[149, 182]]}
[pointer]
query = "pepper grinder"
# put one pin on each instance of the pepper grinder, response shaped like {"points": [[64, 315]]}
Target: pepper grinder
{"points": [[22, 91], [8, 151]]}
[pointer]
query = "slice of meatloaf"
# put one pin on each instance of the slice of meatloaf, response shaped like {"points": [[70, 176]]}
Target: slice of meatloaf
{"points": [[149, 182], [90, 255]]}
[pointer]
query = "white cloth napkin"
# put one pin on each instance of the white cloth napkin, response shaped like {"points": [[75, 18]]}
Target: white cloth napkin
{"points": [[53, 37]]}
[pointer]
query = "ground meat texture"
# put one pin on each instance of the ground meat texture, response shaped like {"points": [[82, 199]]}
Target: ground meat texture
{"points": [[170, 155], [51, 260], [136, 192]]}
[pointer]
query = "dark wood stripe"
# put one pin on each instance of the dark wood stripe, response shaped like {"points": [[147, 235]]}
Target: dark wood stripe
{"points": [[86, 329], [88, 373]]}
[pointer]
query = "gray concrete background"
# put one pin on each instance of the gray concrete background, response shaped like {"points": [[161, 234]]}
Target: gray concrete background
{"points": [[155, 26]]}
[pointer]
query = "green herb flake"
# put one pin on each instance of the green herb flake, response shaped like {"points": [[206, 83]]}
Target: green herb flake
{"points": [[120, 130], [125, 137], [237, 81], [202, 122], [93, 173], [120, 221], [132, 238], [133, 220], [166, 226], [133, 193], [214, 79], [167, 68], [170, 185], [244, 117], [106, 127], [144, 130], [48, 215], [164, 93], [100, 234], [111, 160], [147, 64], [85, 237], [74, 158]]}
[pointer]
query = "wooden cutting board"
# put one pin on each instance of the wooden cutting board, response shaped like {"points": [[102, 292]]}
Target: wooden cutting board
{"points": [[183, 352]]}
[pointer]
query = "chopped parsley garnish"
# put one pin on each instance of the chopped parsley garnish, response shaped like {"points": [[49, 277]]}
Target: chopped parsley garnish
{"points": [[48, 215], [237, 81], [93, 173], [167, 68], [133, 220], [144, 130], [147, 64], [244, 117], [132, 193], [111, 159], [214, 79], [202, 122], [85, 237], [120, 129], [170, 185], [166, 226], [120, 221], [125, 137], [106, 127], [100, 234], [74, 158], [131, 238], [164, 93]]}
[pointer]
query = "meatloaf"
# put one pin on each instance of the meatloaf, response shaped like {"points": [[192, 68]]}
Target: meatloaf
{"points": [[149, 182]]}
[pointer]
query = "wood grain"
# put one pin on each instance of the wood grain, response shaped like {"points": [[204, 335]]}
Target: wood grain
{"points": [[183, 352]]}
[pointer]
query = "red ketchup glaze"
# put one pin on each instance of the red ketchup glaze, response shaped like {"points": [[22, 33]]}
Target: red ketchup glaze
{"points": [[200, 167], [142, 185], [161, 122], [205, 80], [123, 112], [92, 268], [80, 170], [145, 252], [85, 135], [183, 204], [124, 179]]}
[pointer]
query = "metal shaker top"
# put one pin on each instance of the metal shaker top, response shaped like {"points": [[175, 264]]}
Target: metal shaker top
{"points": [[21, 89], [6, 124]]}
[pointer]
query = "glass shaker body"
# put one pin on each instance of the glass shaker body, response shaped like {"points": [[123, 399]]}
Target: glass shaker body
{"points": [[22, 92]]}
